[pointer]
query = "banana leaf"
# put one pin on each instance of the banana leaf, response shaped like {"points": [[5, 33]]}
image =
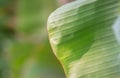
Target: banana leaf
{"points": [[85, 37]]}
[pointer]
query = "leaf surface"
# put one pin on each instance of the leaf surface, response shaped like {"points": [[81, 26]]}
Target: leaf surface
{"points": [[84, 35]]}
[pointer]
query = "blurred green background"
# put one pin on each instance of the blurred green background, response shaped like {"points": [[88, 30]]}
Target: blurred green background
{"points": [[25, 51]]}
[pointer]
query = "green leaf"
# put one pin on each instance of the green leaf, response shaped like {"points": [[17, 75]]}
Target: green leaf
{"points": [[85, 38]]}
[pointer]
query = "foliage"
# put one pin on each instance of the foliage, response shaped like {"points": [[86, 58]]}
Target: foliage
{"points": [[85, 37], [25, 50]]}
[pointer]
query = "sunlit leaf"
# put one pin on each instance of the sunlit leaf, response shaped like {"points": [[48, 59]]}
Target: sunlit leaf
{"points": [[85, 37]]}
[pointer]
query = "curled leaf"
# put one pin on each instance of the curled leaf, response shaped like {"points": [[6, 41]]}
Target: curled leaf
{"points": [[83, 38]]}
